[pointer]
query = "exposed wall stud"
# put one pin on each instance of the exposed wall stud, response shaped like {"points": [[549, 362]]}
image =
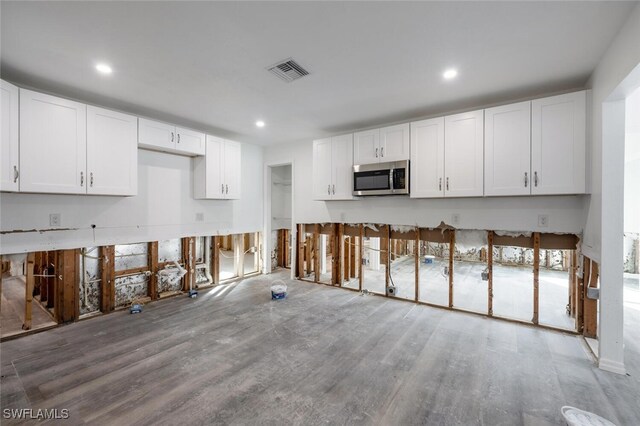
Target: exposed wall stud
{"points": [[536, 275]]}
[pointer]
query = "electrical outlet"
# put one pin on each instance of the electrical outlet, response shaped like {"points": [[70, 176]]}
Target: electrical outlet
{"points": [[54, 219], [455, 219], [543, 220], [199, 217]]}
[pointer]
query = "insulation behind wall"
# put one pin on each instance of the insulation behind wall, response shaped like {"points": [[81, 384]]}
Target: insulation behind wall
{"points": [[89, 280]]}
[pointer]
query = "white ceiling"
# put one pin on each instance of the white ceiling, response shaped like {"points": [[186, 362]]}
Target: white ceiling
{"points": [[202, 64]]}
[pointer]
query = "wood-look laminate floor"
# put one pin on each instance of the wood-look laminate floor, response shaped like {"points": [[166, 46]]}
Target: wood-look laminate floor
{"points": [[322, 356]]}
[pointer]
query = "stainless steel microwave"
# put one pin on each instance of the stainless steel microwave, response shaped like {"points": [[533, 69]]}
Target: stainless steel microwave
{"points": [[390, 178]]}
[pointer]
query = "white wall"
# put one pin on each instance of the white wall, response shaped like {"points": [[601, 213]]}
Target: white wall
{"points": [[164, 208], [632, 164], [566, 213], [281, 197]]}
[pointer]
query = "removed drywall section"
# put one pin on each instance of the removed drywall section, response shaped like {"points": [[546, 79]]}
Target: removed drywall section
{"points": [[164, 208]]}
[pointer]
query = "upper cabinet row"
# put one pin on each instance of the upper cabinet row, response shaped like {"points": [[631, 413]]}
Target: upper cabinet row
{"points": [[381, 145], [158, 136], [53, 145]]}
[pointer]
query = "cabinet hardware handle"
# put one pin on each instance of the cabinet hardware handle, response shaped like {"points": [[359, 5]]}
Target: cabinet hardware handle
{"points": [[227, 191], [81, 178], [382, 152], [447, 183], [376, 152], [15, 174], [222, 188], [334, 189], [178, 137], [171, 136], [526, 179], [91, 179], [535, 178], [329, 189]]}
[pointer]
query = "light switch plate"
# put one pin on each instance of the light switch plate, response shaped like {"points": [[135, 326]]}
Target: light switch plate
{"points": [[543, 220], [54, 219], [455, 219]]}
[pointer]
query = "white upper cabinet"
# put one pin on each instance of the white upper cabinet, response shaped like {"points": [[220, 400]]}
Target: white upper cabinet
{"points": [[558, 140], [112, 152], [380, 145], [52, 144], [217, 175], [190, 141], [333, 168], [507, 157], [366, 147], [322, 169], [158, 136], [394, 143], [463, 154], [427, 158], [10, 174]]}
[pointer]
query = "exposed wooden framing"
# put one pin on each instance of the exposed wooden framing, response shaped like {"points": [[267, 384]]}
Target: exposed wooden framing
{"points": [[186, 261], [215, 259], [308, 255], [416, 252], [76, 284], [435, 235], [66, 306], [299, 251], [361, 250], [315, 252], [590, 305], [385, 244], [280, 248], [28, 296], [536, 275], [574, 282], [353, 267], [152, 289], [131, 271], [346, 256], [107, 265], [452, 249], [336, 267], [490, 272]]}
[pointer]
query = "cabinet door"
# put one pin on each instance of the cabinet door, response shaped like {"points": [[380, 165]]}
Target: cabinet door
{"points": [[366, 147], [156, 135], [394, 143], [208, 171], [189, 141], [53, 143], [322, 170], [463, 154], [9, 172], [342, 167], [558, 128], [427, 158], [507, 155], [232, 170], [112, 152]]}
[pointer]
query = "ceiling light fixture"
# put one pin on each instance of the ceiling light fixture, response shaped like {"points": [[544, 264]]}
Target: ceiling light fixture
{"points": [[103, 68], [260, 123], [450, 74]]}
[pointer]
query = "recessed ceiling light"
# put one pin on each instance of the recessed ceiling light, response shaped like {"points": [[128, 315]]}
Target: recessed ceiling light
{"points": [[450, 74], [103, 68], [260, 123]]}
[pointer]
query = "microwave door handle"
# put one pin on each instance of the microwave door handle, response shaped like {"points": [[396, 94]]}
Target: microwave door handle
{"points": [[391, 180]]}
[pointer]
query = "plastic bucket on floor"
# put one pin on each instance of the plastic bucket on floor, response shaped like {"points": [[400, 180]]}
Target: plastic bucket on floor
{"points": [[278, 290], [576, 417]]}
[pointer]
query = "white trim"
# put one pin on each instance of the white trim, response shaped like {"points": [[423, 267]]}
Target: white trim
{"points": [[612, 366]]}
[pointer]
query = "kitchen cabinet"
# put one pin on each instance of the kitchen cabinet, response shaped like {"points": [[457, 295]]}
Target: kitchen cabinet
{"points": [[112, 152], [217, 175], [427, 158], [9, 143], [333, 168], [507, 156], [381, 145], [558, 144], [53, 143], [158, 136], [463, 154]]}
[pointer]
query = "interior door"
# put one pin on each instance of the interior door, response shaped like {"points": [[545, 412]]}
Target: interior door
{"points": [[342, 167], [322, 169], [507, 156], [232, 170], [463, 156], [9, 172], [53, 143], [154, 134], [366, 147], [558, 140], [190, 141], [112, 152], [427, 158], [394, 143]]}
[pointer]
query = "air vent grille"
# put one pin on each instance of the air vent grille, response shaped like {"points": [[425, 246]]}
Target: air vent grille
{"points": [[288, 70]]}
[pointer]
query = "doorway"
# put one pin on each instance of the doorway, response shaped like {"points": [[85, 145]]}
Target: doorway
{"points": [[280, 211]]}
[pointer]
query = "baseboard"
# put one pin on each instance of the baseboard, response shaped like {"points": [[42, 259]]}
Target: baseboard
{"points": [[612, 366]]}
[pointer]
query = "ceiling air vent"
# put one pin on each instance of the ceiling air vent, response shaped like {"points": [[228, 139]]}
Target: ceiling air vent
{"points": [[288, 70]]}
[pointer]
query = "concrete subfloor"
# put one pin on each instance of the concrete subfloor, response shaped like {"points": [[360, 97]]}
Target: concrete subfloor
{"points": [[227, 264], [322, 356]]}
